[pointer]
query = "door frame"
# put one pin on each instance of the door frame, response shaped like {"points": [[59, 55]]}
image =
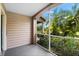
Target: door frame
{"points": [[2, 18], [1, 32], [3, 46]]}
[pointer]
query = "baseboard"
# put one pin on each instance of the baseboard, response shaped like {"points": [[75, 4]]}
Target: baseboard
{"points": [[17, 46]]}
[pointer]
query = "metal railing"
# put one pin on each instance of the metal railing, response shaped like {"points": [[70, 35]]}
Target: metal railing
{"points": [[59, 36], [61, 45]]}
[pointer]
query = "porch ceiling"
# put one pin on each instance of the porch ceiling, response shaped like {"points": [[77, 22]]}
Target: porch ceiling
{"points": [[28, 9]]}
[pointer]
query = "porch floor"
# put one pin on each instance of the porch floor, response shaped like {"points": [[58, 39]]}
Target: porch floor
{"points": [[30, 50]]}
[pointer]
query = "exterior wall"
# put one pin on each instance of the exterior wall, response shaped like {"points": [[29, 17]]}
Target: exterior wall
{"points": [[18, 30], [3, 12]]}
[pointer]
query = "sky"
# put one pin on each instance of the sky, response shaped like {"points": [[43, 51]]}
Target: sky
{"points": [[65, 6]]}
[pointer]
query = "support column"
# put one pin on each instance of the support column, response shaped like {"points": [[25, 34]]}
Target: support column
{"points": [[34, 30], [43, 27], [0, 29], [49, 33]]}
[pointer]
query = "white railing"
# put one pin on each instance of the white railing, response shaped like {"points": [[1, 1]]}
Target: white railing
{"points": [[60, 37], [65, 37]]}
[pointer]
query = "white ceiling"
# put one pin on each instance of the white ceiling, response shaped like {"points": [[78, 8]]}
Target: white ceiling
{"points": [[28, 9]]}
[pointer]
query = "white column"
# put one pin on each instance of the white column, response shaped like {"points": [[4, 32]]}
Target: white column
{"points": [[0, 28], [49, 33], [35, 29], [43, 27]]}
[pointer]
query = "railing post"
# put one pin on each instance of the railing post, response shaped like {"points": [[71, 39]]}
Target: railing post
{"points": [[49, 33], [43, 27]]}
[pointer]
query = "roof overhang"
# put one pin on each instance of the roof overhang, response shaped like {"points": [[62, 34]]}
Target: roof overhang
{"points": [[48, 7], [28, 9]]}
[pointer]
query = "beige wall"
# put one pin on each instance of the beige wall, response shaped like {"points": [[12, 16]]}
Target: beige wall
{"points": [[18, 30], [2, 12]]}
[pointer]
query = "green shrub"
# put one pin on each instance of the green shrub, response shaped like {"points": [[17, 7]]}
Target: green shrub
{"points": [[43, 41], [65, 46]]}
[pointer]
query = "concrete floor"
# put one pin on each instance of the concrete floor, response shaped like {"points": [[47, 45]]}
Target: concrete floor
{"points": [[30, 50], [0, 53]]}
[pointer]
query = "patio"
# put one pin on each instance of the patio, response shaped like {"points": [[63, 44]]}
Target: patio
{"points": [[28, 50], [48, 25]]}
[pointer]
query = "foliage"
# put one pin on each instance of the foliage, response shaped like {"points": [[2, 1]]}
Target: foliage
{"points": [[39, 28], [67, 47], [63, 23], [61, 46], [43, 40]]}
